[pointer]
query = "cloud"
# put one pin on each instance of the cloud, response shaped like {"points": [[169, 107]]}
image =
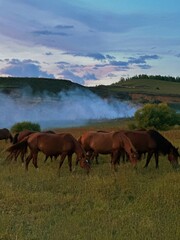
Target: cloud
{"points": [[94, 55], [90, 76], [69, 75], [47, 33], [142, 59], [25, 68], [64, 26], [48, 53]]}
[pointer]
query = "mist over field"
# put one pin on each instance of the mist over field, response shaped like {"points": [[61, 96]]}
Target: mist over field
{"points": [[70, 108]]}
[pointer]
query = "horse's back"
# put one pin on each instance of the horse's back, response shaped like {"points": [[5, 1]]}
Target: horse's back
{"points": [[141, 140], [97, 140], [51, 142]]}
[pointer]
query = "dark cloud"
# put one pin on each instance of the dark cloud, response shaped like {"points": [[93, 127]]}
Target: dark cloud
{"points": [[110, 57], [48, 54], [96, 56], [90, 76], [25, 68], [48, 33], [62, 63], [142, 59], [120, 65], [64, 26], [69, 75]]}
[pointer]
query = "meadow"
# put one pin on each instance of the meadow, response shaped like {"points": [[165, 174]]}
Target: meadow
{"points": [[127, 204]]}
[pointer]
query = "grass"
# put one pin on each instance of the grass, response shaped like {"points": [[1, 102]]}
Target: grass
{"points": [[127, 204]]}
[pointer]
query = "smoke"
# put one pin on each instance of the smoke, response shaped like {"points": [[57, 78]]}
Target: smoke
{"points": [[70, 108]]}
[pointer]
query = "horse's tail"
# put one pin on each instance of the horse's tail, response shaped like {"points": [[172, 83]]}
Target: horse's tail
{"points": [[11, 138], [15, 139], [17, 149]]}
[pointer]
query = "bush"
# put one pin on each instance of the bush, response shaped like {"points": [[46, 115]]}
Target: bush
{"points": [[18, 127], [158, 116]]}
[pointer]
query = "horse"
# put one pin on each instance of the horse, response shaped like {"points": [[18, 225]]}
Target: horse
{"points": [[5, 134], [63, 144], [108, 143], [91, 155], [24, 133], [21, 135], [152, 142], [164, 147]]}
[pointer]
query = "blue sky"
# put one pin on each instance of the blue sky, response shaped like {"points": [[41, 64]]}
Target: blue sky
{"points": [[89, 42]]}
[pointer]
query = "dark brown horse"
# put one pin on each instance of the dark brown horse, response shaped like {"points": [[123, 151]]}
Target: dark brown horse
{"points": [[5, 134], [63, 144], [152, 142], [108, 143]]}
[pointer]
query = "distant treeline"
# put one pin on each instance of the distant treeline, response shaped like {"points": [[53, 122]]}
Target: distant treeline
{"points": [[153, 77]]}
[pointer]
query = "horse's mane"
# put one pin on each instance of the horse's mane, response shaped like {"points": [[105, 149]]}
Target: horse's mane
{"points": [[163, 145]]}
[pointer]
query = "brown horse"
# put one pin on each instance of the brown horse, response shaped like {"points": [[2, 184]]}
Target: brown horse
{"points": [[21, 135], [108, 143], [24, 133], [5, 134], [63, 144], [152, 142]]}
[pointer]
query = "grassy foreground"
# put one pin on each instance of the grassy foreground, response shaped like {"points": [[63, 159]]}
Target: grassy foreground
{"points": [[129, 204]]}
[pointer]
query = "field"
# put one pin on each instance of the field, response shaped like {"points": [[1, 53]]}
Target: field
{"points": [[127, 204]]}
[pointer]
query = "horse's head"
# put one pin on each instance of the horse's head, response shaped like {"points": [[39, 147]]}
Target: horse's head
{"points": [[173, 157], [134, 156], [84, 162]]}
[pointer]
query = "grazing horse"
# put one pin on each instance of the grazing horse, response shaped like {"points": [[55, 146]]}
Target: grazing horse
{"points": [[152, 142], [5, 134], [165, 147], [111, 143], [63, 144], [21, 135], [24, 133]]}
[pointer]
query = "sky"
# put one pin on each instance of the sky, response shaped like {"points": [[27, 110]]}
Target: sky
{"points": [[89, 42]]}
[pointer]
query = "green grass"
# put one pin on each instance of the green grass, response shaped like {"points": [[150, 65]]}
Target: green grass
{"points": [[127, 204], [143, 86]]}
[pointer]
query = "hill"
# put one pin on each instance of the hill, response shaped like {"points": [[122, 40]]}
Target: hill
{"points": [[141, 88], [38, 85]]}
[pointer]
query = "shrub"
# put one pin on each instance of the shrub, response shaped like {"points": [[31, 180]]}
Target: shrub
{"points": [[159, 116], [18, 127]]}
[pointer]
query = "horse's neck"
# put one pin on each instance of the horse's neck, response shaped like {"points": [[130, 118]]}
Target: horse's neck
{"points": [[128, 146], [78, 149]]}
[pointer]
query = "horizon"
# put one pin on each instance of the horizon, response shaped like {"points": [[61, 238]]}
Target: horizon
{"points": [[89, 43]]}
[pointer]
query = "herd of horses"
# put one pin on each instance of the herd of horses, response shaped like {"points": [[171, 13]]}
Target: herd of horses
{"points": [[132, 144]]}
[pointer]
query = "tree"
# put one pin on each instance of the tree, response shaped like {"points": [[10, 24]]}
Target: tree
{"points": [[20, 126], [159, 116]]}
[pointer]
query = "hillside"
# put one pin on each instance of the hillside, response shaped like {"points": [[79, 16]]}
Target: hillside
{"points": [[143, 89], [38, 85], [137, 89]]}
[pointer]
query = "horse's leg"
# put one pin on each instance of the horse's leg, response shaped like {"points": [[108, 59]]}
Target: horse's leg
{"points": [[28, 159], [97, 155], [70, 162], [63, 156], [35, 159], [148, 159], [114, 159], [46, 158], [156, 159]]}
